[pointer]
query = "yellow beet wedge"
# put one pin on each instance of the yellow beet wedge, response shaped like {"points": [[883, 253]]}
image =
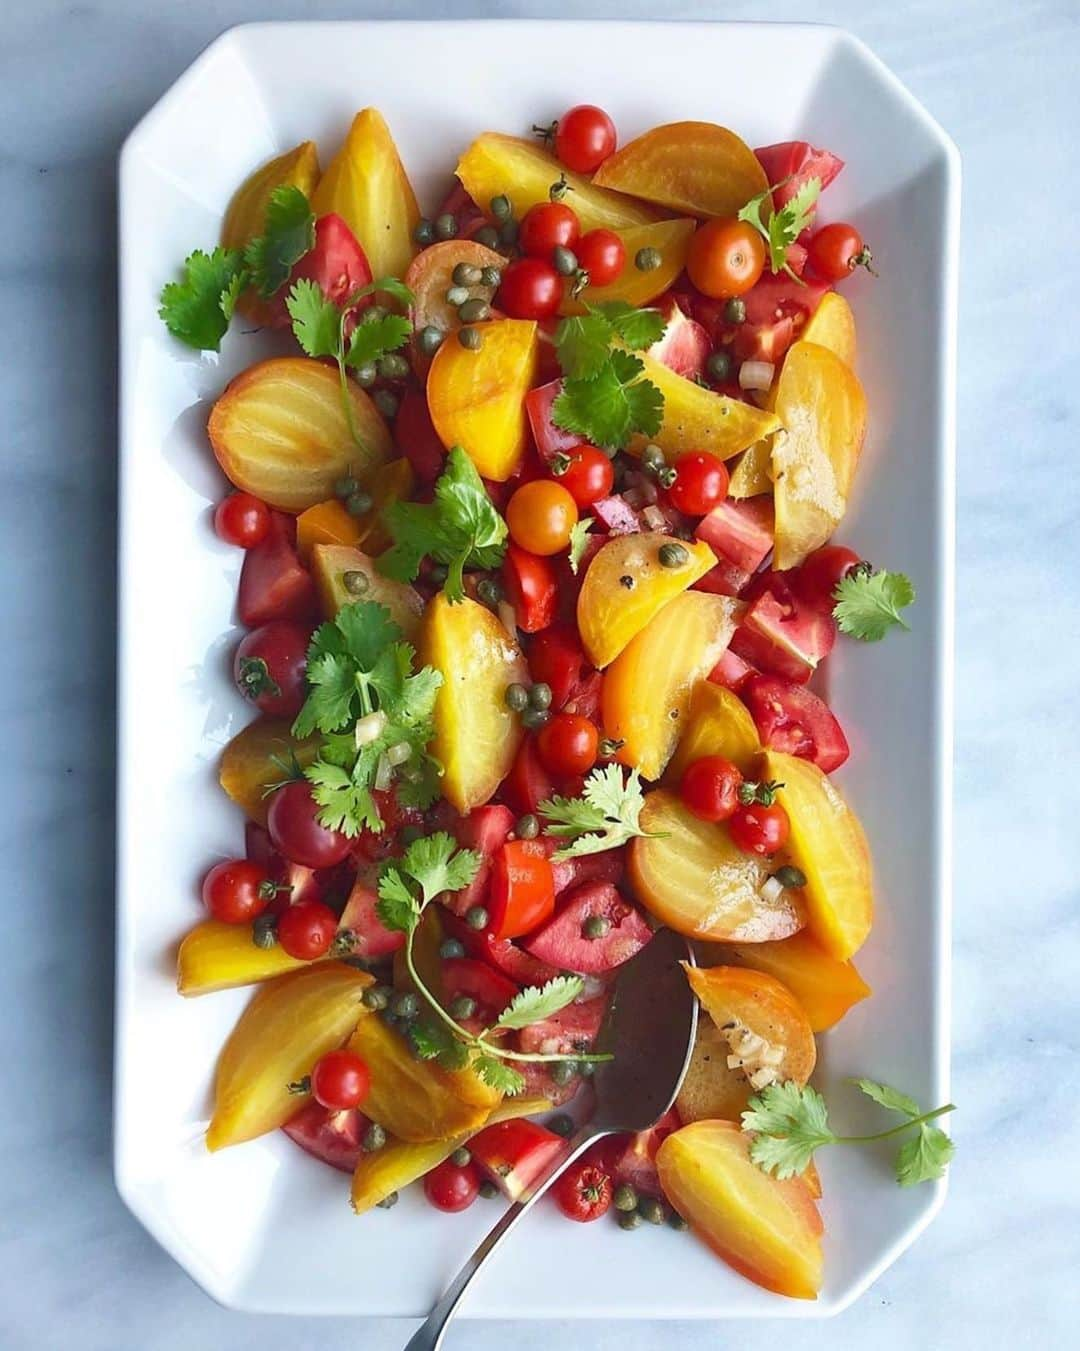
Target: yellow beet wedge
{"points": [[477, 399], [825, 986], [693, 167], [252, 762], [626, 585], [280, 431], [281, 1034], [497, 165], [647, 689], [671, 239], [216, 956], [832, 325], [366, 184], [717, 724], [476, 735], [752, 475], [827, 842]]}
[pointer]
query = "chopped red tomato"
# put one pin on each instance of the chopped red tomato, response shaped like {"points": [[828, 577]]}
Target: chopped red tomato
{"points": [[337, 264], [501, 953], [484, 831], [636, 1164], [792, 719], [741, 532], [531, 588], [731, 672], [791, 165], [573, 1028], [274, 584], [521, 893], [594, 931], [415, 436], [528, 783], [331, 1137], [371, 938], [514, 1154], [550, 440], [782, 635], [557, 659], [491, 991], [725, 579]]}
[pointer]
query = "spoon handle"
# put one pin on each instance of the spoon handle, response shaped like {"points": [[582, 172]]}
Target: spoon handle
{"points": [[430, 1334]]}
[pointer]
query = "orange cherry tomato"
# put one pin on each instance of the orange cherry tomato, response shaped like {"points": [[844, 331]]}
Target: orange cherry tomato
{"points": [[726, 258], [541, 515]]}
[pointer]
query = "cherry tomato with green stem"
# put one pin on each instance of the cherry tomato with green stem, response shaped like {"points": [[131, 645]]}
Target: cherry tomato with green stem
{"points": [[710, 788], [235, 891], [816, 580], [757, 829], [701, 482], [306, 930], [835, 251], [340, 1080], [589, 476], [270, 665], [584, 138]]}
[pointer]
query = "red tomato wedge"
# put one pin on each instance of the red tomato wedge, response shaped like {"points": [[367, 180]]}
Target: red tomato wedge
{"points": [[562, 941], [794, 720], [531, 588], [331, 1137], [528, 783], [274, 584], [467, 976], [556, 658], [513, 1154], [521, 893], [361, 917], [573, 1028], [741, 532], [797, 162], [484, 831], [550, 440], [500, 953]]}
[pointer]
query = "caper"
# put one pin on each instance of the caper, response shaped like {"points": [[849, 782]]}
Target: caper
{"points": [[561, 1125], [562, 1071], [376, 997], [476, 917], [471, 339], [516, 697], [461, 1158], [501, 206], [474, 311], [345, 487], [540, 695], [389, 1017], [628, 1219], [673, 555], [373, 314], [451, 948], [610, 746], [488, 1189], [264, 931], [490, 276], [565, 261], [438, 573], [465, 274], [387, 403], [651, 1210], [373, 1138], [666, 476], [359, 504], [462, 1007], [509, 232], [366, 375], [527, 827], [596, 926], [393, 366], [586, 1068], [388, 1202], [652, 457], [719, 366], [488, 236], [457, 295], [430, 339], [676, 1221], [446, 226], [488, 591], [648, 259], [405, 1005], [356, 583], [788, 876], [534, 718], [735, 311], [625, 1198], [424, 234]]}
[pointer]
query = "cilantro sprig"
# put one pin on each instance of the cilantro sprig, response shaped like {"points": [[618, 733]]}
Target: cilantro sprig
{"points": [[579, 541], [607, 814], [459, 528], [407, 886], [868, 604], [790, 1123], [289, 233], [781, 228]]}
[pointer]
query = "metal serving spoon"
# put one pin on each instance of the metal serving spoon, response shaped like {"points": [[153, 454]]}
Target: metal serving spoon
{"points": [[650, 1029]]}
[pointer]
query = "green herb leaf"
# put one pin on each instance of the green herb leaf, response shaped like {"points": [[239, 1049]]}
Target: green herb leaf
{"points": [[288, 234], [636, 329], [197, 310], [789, 1123], [579, 539], [499, 1075], [780, 229], [582, 343], [435, 1041], [536, 1002], [611, 406], [397, 906], [868, 605], [606, 815], [316, 321], [374, 338], [436, 864], [389, 286], [890, 1098], [924, 1157]]}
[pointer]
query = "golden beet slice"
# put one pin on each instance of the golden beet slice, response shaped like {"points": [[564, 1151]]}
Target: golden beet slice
{"points": [[825, 986], [215, 956], [252, 762], [332, 563], [696, 418], [717, 723], [670, 238], [752, 475], [832, 325], [768, 1230], [280, 431]]}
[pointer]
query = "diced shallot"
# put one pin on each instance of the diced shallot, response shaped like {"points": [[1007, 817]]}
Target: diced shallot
{"points": [[756, 374]]}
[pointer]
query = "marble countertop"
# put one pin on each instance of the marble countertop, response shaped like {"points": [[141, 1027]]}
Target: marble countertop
{"points": [[1000, 1264]]}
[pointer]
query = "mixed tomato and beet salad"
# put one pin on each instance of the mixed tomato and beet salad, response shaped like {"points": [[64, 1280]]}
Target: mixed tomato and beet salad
{"points": [[537, 510]]}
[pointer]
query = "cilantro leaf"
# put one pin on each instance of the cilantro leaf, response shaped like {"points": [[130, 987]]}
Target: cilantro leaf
{"points": [[611, 406], [537, 1002], [367, 629], [345, 798], [924, 1157], [435, 1041], [197, 310], [288, 234], [781, 228], [579, 539], [636, 329], [889, 1098], [316, 321], [390, 286], [582, 344], [605, 816], [397, 906], [374, 338], [436, 864], [789, 1123], [868, 605], [499, 1075]]}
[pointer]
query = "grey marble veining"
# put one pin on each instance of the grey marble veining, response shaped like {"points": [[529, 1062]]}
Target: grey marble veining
{"points": [[999, 1267]]}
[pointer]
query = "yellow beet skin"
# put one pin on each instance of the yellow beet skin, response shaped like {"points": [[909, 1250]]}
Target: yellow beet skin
{"points": [[696, 418], [717, 724], [216, 956], [249, 763], [825, 986], [670, 237]]}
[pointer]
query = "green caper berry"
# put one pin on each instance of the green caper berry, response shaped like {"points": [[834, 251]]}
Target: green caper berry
{"points": [[596, 926], [491, 276], [474, 311], [666, 476], [488, 591], [356, 583], [446, 226], [561, 1125], [457, 295], [430, 339], [387, 403], [264, 931], [366, 375], [373, 314], [676, 1221], [651, 1210], [405, 1005], [424, 234], [610, 746], [532, 719], [788, 876], [476, 917], [376, 997], [345, 487], [488, 236], [461, 1158], [488, 1189], [471, 339], [735, 311], [540, 695], [648, 259], [673, 555], [565, 261], [451, 948], [501, 206], [625, 1197], [462, 1007], [359, 504], [628, 1219], [652, 457], [509, 232], [719, 366], [465, 274], [516, 697], [388, 1202], [393, 366], [373, 1138], [389, 1017], [562, 1071], [527, 827]]}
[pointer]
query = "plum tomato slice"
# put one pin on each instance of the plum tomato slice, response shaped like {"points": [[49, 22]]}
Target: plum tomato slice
{"points": [[619, 932], [521, 892], [513, 1154], [792, 719], [528, 783], [331, 1137], [484, 830], [740, 531], [573, 1028], [371, 939], [607, 866], [491, 990]]}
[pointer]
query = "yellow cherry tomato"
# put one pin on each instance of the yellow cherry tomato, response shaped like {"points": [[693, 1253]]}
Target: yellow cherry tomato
{"points": [[541, 515]]}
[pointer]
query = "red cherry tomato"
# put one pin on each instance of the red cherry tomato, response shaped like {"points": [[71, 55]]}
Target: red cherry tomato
{"points": [[451, 1188], [602, 254], [583, 1192], [548, 226], [568, 744], [556, 658], [241, 519], [531, 588], [726, 258], [836, 251], [521, 894], [710, 788], [590, 476], [541, 515], [269, 667], [701, 481], [821, 573], [236, 891], [584, 138], [759, 830], [306, 930], [340, 1080], [531, 289], [296, 831]]}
